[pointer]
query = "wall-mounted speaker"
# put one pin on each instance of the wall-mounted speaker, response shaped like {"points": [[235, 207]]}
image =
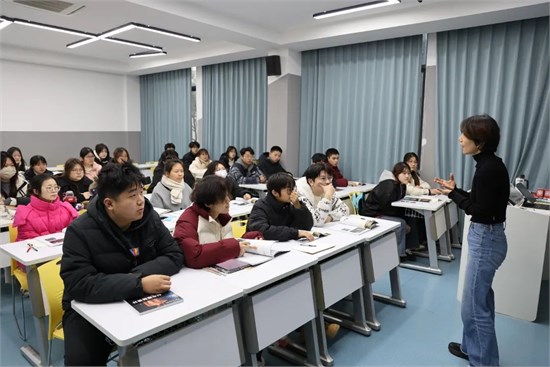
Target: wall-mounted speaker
{"points": [[273, 65]]}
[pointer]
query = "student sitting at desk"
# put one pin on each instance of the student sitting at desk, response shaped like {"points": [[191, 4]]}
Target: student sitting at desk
{"points": [[280, 215], [245, 171], [101, 154], [17, 156], [270, 162], [91, 168], [392, 187], [235, 191], [204, 230], [38, 166], [319, 196], [121, 155], [333, 156], [229, 157], [172, 192], [118, 249], [198, 166], [13, 185], [73, 183], [190, 156]]}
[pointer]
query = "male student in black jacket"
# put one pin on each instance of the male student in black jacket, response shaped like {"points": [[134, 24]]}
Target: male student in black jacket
{"points": [[270, 162], [280, 215], [118, 249]]}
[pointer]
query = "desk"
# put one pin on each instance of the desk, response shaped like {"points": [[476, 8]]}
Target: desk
{"points": [[147, 168], [343, 192], [31, 259], [518, 280], [191, 345], [260, 188], [436, 229]]}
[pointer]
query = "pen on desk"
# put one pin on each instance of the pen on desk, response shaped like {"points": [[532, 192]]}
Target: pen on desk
{"points": [[308, 244], [31, 246]]}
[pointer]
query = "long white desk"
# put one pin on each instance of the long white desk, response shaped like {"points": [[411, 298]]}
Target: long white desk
{"points": [[435, 220], [260, 188], [518, 280], [190, 345], [37, 355], [343, 192]]}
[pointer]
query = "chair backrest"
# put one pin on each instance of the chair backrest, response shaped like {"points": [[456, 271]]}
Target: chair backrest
{"points": [[239, 228], [355, 198], [13, 233], [52, 284]]}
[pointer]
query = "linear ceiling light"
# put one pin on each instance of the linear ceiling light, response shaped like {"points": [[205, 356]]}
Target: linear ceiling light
{"points": [[5, 22], [136, 44], [109, 33], [354, 8], [147, 54], [53, 28], [167, 33]]}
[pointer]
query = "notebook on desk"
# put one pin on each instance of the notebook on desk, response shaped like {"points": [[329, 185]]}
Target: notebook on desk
{"points": [[530, 200]]}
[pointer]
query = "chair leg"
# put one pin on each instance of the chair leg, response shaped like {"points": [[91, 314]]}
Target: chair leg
{"points": [[22, 334], [50, 353]]}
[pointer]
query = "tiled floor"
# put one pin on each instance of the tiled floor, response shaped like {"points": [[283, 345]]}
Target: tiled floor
{"points": [[413, 336]]}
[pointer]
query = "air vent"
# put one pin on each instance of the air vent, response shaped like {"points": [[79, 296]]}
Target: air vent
{"points": [[54, 6]]}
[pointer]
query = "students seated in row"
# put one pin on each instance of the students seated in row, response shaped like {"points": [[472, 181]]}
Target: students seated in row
{"points": [[190, 156], [229, 157], [235, 191], [121, 155], [280, 215], [13, 187], [45, 213], [74, 185], [20, 164], [392, 187], [245, 171], [38, 166], [198, 166], [333, 156], [172, 192], [270, 162], [319, 195], [204, 231], [118, 249], [91, 168], [101, 154]]}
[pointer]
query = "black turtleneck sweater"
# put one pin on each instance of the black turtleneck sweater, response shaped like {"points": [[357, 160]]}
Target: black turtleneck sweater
{"points": [[488, 198]]}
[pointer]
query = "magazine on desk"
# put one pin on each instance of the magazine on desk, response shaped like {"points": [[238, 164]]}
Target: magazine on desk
{"points": [[416, 199], [154, 302], [354, 224], [261, 251], [51, 240]]}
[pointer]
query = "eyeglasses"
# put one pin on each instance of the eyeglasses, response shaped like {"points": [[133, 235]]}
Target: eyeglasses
{"points": [[52, 188]]}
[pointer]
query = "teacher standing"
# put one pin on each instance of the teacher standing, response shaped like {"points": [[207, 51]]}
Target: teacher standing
{"points": [[487, 246]]}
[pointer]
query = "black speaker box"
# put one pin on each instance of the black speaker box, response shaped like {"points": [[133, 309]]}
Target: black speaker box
{"points": [[273, 65]]}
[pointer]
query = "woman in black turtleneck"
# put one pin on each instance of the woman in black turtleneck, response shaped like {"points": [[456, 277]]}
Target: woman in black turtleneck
{"points": [[487, 245]]}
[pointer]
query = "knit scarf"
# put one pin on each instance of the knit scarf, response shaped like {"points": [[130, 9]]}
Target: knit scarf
{"points": [[176, 189]]}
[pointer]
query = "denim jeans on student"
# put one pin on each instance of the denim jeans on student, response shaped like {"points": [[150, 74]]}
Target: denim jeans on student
{"points": [[487, 248], [401, 233]]}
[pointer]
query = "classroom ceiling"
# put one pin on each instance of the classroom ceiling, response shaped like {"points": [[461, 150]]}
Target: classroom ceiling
{"points": [[231, 29]]}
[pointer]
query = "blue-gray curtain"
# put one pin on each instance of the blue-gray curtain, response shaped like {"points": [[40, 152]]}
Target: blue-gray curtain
{"points": [[365, 101], [234, 106], [166, 113], [501, 70]]}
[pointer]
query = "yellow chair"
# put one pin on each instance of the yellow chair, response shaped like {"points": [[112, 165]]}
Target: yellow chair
{"points": [[21, 277], [52, 284], [239, 228]]}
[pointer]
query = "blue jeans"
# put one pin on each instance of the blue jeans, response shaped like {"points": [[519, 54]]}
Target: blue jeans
{"points": [[487, 248]]}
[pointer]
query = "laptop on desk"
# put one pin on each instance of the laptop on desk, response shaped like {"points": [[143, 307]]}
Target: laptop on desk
{"points": [[530, 200]]}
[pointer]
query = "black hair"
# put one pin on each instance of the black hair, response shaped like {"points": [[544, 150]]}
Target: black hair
{"points": [[35, 185], [84, 151], [16, 149], [399, 168], [168, 155], [194, 144], [201, 151], [276, 148], [414, 174], [331, 151], [483, 130], [247, 149], [13, 181], [169, 164], [113, 179], [209, 190], [279, 181], [314, 171], [99, 147], [69, 165], [211, 168], [318, 158], [37, 159], [118, 152], [231, 148], [169, 146]]}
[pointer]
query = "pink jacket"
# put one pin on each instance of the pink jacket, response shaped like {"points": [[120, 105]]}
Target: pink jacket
{"points": [[40, 218]]}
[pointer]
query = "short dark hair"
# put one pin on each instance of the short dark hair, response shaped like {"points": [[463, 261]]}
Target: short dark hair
{"points": [[279, 181], [483, 130], [211, 168], [35, 185], [113, 179], [209, 190], [332, 151], [194, 144], [169, 146], [70, 164], [169, 164], [169, 154], [276, 148], [318, 158], [399, 168], [36, 159], [84, 151], [314, 171], [99, 147], [247, 149]]}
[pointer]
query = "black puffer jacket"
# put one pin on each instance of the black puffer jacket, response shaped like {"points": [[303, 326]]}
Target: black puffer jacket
{"points": [[267, 167], [97, 264], [278, 221], [378, 201]]}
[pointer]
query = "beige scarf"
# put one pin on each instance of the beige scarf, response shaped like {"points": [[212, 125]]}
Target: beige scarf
{"points": [[176, 189]]}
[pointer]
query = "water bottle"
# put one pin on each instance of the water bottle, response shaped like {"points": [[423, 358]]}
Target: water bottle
{"points": [[522, 180]]}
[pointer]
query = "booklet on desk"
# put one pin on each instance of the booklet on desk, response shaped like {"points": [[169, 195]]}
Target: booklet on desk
{"points": [[231, 266], [416, 199], [354, 224], [53, 239], [315, 246], [153, 302], [261, 251]]}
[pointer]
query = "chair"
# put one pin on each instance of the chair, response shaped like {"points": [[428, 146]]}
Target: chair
{"points": [[52, 284], [21, 277], [239, 228], [355, 198]]}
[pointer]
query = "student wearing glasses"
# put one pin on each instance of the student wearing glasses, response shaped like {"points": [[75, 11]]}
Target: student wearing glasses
{"points": [[91, 168], [74, 183]]}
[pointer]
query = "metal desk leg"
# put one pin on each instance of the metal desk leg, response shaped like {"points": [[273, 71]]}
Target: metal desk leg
{"points": [[396, 298], [128, 356], [370, 312], [454, 237], [356, 322], [432, 249], [293, 352], [40, 357]]}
